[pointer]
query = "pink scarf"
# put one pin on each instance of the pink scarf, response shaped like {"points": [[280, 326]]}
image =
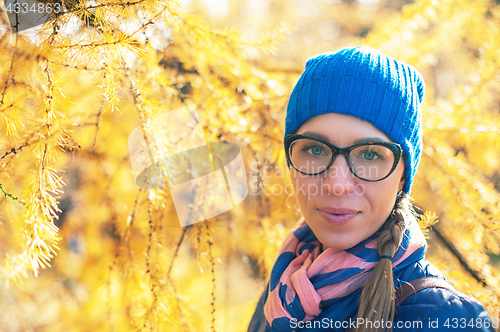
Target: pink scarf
{"points": [[305, 280]]}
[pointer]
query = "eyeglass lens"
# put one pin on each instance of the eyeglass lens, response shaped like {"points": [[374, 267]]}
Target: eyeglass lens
{"points": [[369, 162]]}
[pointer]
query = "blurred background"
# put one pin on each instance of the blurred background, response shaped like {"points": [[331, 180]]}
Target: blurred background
{"points": [[74, 89]]}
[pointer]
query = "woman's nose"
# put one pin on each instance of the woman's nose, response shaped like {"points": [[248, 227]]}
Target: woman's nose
{"points": [[339, 179]]}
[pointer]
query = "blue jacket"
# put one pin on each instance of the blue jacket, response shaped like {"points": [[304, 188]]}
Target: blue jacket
{"points": [[430, 310]]}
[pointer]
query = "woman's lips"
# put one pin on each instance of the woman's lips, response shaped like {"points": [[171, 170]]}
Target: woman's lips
{"points": [[337, 216]]}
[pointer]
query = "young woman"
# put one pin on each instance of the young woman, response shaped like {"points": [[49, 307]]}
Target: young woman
{"points": [[353, 140]]}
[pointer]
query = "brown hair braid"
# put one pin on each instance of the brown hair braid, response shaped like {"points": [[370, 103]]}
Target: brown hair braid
{"points": [[377, 297]]}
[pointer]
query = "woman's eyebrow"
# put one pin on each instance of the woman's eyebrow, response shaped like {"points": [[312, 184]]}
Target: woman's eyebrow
{"points": [[318, 135], [369, 139], [356, 141]]}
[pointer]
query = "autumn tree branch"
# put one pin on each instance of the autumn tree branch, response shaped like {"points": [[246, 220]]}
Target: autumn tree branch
{"points": [[449, 245]]}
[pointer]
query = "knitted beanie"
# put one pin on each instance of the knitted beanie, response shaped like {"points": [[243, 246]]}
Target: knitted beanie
{"points": [[369, 85]]}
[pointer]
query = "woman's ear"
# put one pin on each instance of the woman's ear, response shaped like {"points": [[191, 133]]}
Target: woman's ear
{"points": [[402, 182]]}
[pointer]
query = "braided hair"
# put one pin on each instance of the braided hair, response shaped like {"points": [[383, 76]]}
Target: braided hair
{"points": [[377, 297]]}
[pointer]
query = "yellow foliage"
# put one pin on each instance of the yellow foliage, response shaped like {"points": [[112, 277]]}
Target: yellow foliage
{"points": [[70, 99]]}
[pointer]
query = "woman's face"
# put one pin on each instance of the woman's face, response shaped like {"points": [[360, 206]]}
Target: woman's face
{"points": [[341, 209]]}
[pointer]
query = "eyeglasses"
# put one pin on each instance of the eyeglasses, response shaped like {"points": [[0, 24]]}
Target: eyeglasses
{"points": [[368, 161]]}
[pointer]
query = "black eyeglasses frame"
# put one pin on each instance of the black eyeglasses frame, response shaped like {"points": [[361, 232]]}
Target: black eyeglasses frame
{"points": [[394, 147]]}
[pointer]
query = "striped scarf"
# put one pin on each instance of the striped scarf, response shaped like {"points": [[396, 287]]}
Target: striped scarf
{"points": [[304, 280]]}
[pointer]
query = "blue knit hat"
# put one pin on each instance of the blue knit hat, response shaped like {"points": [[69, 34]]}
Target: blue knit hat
{"points": [[369, 85]]}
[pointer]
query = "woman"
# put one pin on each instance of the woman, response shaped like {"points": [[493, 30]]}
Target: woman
{"points": [[353, 140]]}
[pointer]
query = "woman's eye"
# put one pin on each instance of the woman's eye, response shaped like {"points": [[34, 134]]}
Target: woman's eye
{"points": [[315, 150], [370, 155]]}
